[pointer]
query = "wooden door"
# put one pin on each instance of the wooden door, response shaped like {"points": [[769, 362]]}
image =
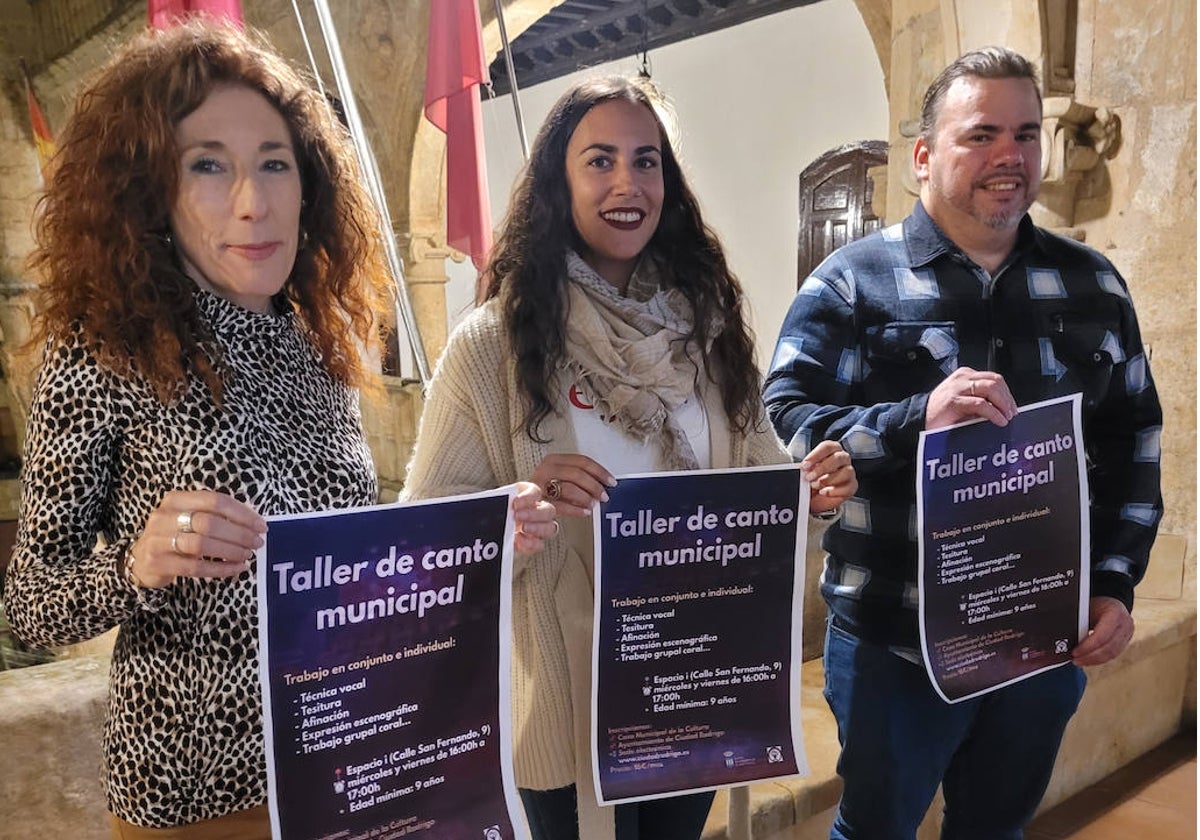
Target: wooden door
{"points": [[835, 202]]}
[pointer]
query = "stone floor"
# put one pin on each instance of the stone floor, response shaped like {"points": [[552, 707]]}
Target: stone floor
{"points": [[1153, 798]]}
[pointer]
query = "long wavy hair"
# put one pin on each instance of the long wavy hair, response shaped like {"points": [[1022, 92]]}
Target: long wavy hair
{"points": [[108, 270], [527, 266]]}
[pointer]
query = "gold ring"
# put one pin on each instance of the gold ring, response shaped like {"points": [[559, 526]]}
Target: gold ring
{"points": [[183, 522], [175, 544], [554, 488], [972, 387]]}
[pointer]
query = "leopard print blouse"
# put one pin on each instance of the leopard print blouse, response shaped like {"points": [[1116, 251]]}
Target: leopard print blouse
{"points": [[183, 737]]}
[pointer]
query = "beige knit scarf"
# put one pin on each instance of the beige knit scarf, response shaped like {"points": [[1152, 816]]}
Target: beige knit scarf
{"points": [[630, 355]]}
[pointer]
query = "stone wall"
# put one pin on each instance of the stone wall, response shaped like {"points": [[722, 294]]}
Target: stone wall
{"points": [[1139, 60], [1136, 59]]}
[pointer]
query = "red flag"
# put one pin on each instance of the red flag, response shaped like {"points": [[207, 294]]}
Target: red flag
{"points": [[163, 13], [42, 138], [454, 69]]}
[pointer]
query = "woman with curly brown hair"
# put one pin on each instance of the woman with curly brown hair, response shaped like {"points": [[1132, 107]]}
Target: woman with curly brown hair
{"points": [[613, 342], [210, 284]]}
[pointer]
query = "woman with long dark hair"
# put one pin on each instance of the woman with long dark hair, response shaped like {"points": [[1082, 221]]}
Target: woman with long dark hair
{"points": [[613, 342]]}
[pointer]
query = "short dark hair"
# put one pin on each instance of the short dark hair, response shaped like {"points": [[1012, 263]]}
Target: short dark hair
{"points": [[983, 63]]}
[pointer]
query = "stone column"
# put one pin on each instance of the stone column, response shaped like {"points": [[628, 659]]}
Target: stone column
{"points": [[16, 324], [917, 55], [425, 273]]}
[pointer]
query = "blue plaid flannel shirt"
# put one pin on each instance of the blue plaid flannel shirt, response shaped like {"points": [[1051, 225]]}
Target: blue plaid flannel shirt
{"points": [[884, 319]]}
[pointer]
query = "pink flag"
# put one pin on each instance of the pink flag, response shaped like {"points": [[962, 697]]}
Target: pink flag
{"points": [[454, 69], [163, 13]]}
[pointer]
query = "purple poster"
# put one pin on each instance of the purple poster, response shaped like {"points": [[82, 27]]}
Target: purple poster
{"points": [[1004, 549], [383, 637], [696, 649]]}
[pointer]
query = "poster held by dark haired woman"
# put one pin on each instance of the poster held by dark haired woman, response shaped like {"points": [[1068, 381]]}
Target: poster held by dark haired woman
{"points": [[696, 665]]}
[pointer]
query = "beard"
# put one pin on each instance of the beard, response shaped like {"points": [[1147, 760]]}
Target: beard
{"points": [[965, 202], [1000, 221]]}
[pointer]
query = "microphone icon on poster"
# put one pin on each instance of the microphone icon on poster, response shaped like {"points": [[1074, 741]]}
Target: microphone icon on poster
{"points": [[339, 784]]}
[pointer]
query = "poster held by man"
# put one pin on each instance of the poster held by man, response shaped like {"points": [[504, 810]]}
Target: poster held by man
{"points": [[1004, 548]]}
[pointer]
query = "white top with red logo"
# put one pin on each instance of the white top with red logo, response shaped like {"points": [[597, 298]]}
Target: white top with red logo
{"points": [[604, 442]]}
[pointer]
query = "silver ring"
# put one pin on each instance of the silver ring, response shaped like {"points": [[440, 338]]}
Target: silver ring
{"points": [[554, 521], [175, 544], [972, 387], [554, 489], [183, 522]]}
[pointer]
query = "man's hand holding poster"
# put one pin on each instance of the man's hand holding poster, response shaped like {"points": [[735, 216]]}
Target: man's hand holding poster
{"points": [[696, 658], [384, 665], [1004, 548]]}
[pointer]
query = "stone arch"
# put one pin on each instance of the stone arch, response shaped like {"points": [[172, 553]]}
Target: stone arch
{"points": [[877, 15], [426, 249], [426, 192]]}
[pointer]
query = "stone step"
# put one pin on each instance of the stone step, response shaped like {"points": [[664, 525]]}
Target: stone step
{"points": [[1132, 704], [51, 716]]}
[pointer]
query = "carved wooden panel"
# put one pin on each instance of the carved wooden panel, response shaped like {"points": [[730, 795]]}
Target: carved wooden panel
{"points": [[835, 202]]}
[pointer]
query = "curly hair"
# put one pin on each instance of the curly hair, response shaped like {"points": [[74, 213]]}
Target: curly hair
{"points": [[107, 267], [527, 266]]}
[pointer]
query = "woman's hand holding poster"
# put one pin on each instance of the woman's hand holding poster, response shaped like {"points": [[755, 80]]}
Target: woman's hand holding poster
{"points": [[696, 657], [1004, 548], [384, 636]]}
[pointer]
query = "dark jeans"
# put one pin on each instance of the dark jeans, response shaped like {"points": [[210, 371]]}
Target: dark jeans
{"points": [[551, 816], [992, 754]]}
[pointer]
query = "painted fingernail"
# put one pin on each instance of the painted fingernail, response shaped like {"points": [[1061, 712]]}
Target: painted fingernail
{"points": [[603, 496]]}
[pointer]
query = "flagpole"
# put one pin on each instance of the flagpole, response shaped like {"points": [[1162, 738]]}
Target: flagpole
{"points": [[312, 59], [512, 79], [404, 309]]}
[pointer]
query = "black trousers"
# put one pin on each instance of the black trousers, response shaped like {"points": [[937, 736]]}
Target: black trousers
{"points": [[552, 816]]}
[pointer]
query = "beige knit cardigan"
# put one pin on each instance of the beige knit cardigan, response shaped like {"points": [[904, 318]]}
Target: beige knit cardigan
{"points": [[471, 439]]}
